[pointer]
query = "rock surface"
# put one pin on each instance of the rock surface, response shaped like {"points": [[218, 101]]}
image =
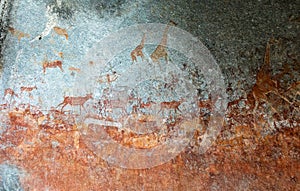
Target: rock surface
{"points": [[48, 47]]}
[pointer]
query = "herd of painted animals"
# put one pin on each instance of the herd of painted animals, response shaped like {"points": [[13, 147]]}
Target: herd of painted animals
{"points": [[261, 98], [159, 52], [265, 83]]}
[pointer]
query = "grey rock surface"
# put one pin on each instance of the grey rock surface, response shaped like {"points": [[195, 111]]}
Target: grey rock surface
{"points": [[234, 31]]}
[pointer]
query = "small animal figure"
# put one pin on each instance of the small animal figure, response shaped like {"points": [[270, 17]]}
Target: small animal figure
{"points": [[53, 64], [142, 105], [61, 31], [18, 33], [27, 89], [10, 92], [74, 69], [138, 50], [170, 105], [114, 104], [75, 101]]}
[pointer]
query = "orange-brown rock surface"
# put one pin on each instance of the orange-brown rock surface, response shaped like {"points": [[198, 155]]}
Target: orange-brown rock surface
{"points": [[257, 149]]}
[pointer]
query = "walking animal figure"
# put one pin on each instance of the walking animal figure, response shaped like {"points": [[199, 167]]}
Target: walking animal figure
{"points": [[27, 89], [114, 99], [142, 105], [161, 50], [170, 105], [10, 92], [18, 33], [75, 101], [138, 50], [114, 104], [53, 64]]}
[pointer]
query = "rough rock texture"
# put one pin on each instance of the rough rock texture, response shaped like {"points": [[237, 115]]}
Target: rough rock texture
{"points": [[256, 44], [5, 9]]}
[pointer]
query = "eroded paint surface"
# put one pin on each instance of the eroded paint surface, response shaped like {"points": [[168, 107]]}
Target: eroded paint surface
{"points": [[79, 112]]}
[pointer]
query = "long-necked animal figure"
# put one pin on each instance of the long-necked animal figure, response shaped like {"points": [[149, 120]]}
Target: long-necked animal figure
{"points": [[138, 50], [161, 50]]}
